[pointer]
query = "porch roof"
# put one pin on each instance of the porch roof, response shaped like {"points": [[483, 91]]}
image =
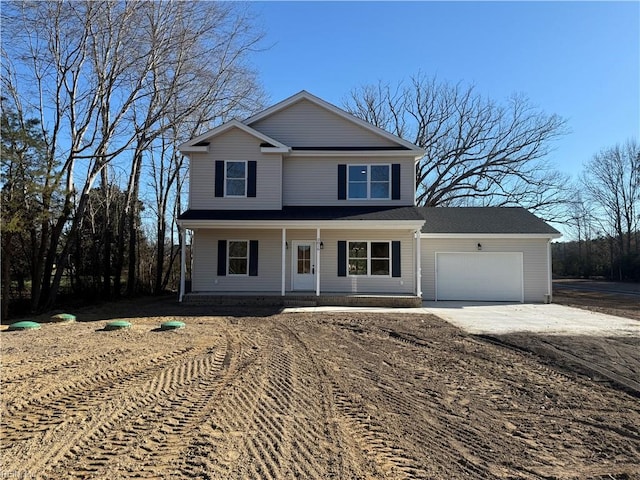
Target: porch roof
{"points": [[314, 213]]}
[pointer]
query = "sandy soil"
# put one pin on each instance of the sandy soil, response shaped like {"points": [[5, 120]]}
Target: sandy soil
{"points": [[310, 396]]}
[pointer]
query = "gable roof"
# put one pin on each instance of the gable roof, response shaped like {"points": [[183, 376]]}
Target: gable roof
{"points": [[304, 95], [484, 220], [189, 145]]}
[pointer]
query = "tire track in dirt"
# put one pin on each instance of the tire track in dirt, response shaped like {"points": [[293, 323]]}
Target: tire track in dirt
{"points": [[79, 387], [52, 369], [374, 441], [98, 403], [464, 448], [469, 438], [272, 425], [153, 438], [481, 450], [335, 396], [384, 454], [395, 456]]}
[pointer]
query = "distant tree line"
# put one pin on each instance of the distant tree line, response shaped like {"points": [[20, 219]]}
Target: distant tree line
{"points": [[604, 214], [95, 98]]}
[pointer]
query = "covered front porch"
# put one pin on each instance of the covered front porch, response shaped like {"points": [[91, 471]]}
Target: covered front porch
{"points": [[259, 262]]}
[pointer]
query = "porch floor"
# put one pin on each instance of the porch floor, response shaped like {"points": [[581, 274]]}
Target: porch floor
{"points": [[303, 299]]}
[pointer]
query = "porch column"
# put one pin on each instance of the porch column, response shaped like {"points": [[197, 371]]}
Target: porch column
{"points": [[418, 265], [284, 253], [549, 298], [183, 256], [317, 262]]}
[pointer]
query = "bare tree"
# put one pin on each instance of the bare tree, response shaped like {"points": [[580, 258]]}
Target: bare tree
{"points": [[102, 78], [477, 151], [612, 180], [198, 74]]}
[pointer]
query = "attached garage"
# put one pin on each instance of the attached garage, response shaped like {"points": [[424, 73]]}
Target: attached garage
{"points": [[485, 254], [483, 276]]}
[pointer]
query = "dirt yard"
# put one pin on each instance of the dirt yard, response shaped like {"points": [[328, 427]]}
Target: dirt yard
{"points": [[268, 395], [611, 304]]}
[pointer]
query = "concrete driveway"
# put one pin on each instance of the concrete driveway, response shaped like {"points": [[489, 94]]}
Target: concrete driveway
{"points": [[502, 318]]}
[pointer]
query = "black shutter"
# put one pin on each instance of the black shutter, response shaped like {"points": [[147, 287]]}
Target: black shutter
{"points": [[253, 258], [219, 187], [342, 258], [342, 182], [395, 181], [222, 258], [395, 259], [251, 178]]}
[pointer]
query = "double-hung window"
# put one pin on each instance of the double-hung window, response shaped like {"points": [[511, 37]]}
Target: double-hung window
{"points": [[369, 258], [238, 262], [238, 258], [235, 176], [369, 182]]}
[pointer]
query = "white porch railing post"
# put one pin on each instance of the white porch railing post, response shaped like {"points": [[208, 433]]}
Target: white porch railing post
{"points": [[317, 262], [418, 266], [183, 256]]}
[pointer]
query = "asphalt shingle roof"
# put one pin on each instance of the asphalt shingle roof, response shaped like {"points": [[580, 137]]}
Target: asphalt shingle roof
{"points": [[472, 220], [507, 220], [309, 213]]}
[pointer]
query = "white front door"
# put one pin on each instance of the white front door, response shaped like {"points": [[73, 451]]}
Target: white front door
{"points": [[304, 265]]}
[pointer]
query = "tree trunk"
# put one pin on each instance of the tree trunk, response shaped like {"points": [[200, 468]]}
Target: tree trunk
{"points": [[133, 216], [161, 233], [6, 274]]}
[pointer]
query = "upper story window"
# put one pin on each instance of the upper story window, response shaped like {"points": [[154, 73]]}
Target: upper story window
{"points": [[369, 182], [235, 179]]}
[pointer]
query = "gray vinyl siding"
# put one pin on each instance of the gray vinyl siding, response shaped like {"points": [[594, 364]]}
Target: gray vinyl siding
{"points": [[305, 124], [205, 263], [235, 145], [535, 262], [206, 279], [314, 180]]}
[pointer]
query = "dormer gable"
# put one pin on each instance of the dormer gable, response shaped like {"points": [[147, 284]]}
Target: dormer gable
{"points": [[201, 142]]}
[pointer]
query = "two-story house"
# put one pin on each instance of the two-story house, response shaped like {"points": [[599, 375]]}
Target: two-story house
{"points": [[306, 199]]}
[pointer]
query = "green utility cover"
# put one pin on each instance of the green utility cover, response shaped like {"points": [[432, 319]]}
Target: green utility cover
{"points": [[117, 325], [63, 317], [173, 325], [25, 325]]}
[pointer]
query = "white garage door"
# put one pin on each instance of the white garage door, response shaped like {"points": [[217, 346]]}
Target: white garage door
{"points": [[484, 276]]}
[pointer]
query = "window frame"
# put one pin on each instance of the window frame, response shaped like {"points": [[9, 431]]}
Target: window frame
{"points": [[369, 181], [246, 178], [246, 242], [369, 258]]}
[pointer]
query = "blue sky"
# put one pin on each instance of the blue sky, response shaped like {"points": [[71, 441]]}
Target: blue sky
{"points": [[580, 60]]}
